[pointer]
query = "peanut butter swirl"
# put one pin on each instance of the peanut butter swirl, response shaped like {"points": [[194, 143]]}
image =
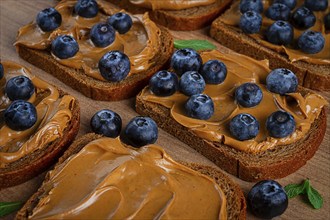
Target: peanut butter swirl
{"points": [[141, 43], [171, 4], [107, 180], [53, 115], [242, 69]]}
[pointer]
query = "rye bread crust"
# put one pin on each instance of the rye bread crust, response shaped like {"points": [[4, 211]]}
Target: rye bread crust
{"points": [[181, 20], [40, 160], [236, 205], [93, 88]]}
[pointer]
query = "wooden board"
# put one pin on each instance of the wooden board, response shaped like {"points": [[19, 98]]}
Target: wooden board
{"points": [[14, 14]]}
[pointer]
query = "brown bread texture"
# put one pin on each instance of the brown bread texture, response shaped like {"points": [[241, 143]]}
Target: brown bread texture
{"points": [[180, 20], [40, 160], [236, 205], [93, 88]]}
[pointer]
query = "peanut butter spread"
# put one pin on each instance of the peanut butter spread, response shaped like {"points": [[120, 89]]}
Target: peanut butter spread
{"points": [[232, 17], [107, 180], [171, 4], [53, 115], [242, 69], [141, 43]]}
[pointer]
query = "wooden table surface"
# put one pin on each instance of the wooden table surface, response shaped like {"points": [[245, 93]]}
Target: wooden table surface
{"points": [[15, 13]]}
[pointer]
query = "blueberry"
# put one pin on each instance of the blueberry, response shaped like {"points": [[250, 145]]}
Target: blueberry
{"points": [[316, 5], [19, 87], [290, 3], [141, 131], [20, 115], [1, 71], [267, 199], [114, 66], [244, 127], [278, 11], [49, 19], [327, 21], [86, 8], [282, 81], [191, 83], [250, 22], [199, 106], [214, 72], [164, 83], [102, 34], [106, 122], [280, 124], [251, 5], [184, 60], [303, 18], [64, 47], [280, 33], [248, 95], [311, 42], [120, 21]]}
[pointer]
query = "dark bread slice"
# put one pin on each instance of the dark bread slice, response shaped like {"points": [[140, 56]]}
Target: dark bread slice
{"points": [[180, 20], [236, 205], [93, 88], [40, 160]]}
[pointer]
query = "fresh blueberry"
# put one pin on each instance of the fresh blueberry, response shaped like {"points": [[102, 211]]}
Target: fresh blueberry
{"points": [[316, 5], [1, 71], [114, 66], [250, 22], [303, 18], [20, 115], [86, 8], [280, 124], [191, 83], [19, 87], [164, 83], [282, 81], [290, 3], [280, 33], [311, 42], [278, 11], [244, 127], [327, 21], [102, 34], [251, 5], [120, 21], [248, 95], [141, 131], [214, 72], [49, 19], [64, 47], [106, 122], [199, 106], [184, 60], [267, 199]]}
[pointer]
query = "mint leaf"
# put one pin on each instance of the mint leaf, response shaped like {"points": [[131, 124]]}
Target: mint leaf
{"points": [[293, 190], [314, 198], [9, 207], [194, 44]]}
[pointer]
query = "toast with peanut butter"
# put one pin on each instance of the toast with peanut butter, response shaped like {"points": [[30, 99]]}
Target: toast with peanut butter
{"points": [[312, 69], [144, 48], [36, 126], [143, 183], [179, 15]]}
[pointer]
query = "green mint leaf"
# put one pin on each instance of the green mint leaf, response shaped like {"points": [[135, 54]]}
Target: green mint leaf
{"points": [[194, 44], [314, 198], [9, 207], [293, 190]]}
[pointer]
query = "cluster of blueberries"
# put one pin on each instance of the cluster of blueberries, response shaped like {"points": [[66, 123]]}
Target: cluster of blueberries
{"points": [[114, 65], [187, 63], [281, 31]]}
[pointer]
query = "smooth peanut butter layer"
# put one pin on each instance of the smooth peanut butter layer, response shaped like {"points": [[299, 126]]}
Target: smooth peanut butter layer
{"points": [[242, 69], [53, 115], [107, 180], [171, 4], [232, 18], [141, 43]]}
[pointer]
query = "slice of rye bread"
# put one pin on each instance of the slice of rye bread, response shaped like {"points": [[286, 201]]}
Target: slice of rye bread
{"points": [[180, 20], [309, 75], [236, 205], [40, 160], [270, 164], [97, 89]]}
